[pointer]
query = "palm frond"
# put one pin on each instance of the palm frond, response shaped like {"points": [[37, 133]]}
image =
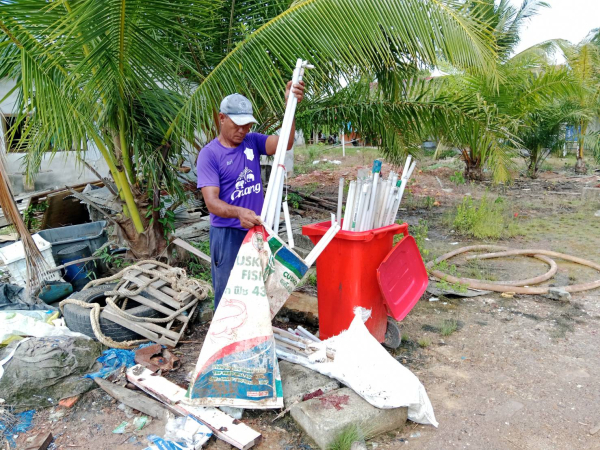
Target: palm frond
{"points": [[361, 37]]}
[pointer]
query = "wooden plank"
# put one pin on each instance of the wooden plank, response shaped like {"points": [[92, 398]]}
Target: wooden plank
{"points": [[223, 426], [154, 305], [190, 248], [129, 325], [159, 284], [160, 330], [155, 293], [133, 399]]}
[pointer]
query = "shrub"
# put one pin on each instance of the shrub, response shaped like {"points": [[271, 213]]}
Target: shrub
{"points": [[483, 219], [458, 178]]}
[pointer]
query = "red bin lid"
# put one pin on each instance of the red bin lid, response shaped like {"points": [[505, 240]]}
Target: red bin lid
{"points": [[402, 277]]}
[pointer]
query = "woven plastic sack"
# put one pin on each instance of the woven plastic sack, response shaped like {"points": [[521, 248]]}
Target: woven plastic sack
{"points": [[362, 364], [237, 365]]}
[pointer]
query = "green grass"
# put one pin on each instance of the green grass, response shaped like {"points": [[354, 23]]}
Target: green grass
{"points": [[447, 327], [424, 342], [405, 337], [347, 436], [484, 218], [476, 269]]}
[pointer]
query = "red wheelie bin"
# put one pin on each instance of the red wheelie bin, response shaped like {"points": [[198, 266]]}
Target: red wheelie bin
{"points": [[347, 277]]}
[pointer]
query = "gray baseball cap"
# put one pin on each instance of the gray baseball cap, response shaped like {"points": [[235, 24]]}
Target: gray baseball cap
{"points": [[238, 108]]}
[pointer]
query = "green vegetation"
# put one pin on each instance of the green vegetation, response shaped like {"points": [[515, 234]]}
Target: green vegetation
{"points": [[420, 232], [294, 200], [112, 261], [458, 178], [428, 202], [346, 438], [447, 327], [424, 342], [31, 214], [198, 268], [484, 219]]}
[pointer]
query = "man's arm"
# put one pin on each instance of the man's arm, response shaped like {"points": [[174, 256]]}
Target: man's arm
{"points": [[218, 207], [271, 143]]}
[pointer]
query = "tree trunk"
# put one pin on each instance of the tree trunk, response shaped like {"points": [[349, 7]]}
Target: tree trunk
{"points": [[473, 169], [146, 245], [580, 167]]}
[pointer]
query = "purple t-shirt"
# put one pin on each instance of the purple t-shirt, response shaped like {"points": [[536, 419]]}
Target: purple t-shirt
{"points": [[236, 171]]}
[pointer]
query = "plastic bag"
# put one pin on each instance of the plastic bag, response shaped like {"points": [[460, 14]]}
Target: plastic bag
{"points": [[17, 324], [181, 433]]}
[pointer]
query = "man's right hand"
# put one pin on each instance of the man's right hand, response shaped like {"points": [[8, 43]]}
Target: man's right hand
{"points": [[248, 218]]}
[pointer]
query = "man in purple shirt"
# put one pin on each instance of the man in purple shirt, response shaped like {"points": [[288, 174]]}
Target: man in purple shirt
{"points": [[229, 175]]}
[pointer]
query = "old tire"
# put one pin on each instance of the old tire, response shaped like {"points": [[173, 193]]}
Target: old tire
{"points": [[393, 338], [78, 318]]}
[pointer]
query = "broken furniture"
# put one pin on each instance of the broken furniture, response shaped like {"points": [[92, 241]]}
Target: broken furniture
{"points": [[164, 290]]}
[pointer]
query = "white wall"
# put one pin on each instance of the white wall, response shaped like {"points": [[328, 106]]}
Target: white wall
{"points": [[64, 169]]}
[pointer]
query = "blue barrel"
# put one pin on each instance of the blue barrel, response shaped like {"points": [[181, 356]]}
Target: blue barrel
{"points": [[78, 274]]}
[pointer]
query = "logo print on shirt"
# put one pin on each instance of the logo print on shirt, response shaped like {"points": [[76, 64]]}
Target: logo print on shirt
{"points": [[230, 162], [249, 154], [245, 177]]}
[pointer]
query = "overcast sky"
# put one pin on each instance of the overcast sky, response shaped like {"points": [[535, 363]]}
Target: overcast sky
{"points": [[565, 19]]}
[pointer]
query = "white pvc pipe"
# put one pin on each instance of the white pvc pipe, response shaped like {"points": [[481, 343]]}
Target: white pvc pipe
{"points": [[372, 203], [405, 178], [288, 225], [308, 334], [406, 166], [343, 143], [363, 211], [324, 242], [359, 206], [349, 207], [380, 211], [389, 206], [340, 199], [269, 210], [277, 220]]}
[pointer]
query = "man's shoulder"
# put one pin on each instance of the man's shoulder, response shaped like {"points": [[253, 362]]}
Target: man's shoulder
{"points": [[210, 149], [256, 137]]}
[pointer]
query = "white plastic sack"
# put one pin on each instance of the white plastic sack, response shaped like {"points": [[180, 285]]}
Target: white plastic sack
{"points": [[362, 364], [16, 324]]}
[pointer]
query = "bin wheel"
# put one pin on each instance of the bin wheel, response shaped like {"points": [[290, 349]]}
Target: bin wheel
{"points": [[393, 338]]}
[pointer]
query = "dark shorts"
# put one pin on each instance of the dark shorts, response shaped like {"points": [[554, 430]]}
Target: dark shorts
{"points": [[224, 246]]}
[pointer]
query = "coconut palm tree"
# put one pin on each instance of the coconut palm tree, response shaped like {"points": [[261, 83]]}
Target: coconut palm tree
{"points": [[142, 79]]}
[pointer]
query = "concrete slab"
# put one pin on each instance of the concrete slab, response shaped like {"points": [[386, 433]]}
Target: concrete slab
{"points": [[323, 418], [591, 193], [298, 381]]}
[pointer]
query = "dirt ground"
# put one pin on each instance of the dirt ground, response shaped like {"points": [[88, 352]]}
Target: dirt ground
{"points": [[518, 373]]}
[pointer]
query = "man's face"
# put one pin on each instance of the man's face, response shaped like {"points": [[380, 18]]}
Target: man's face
{"points": [[231, 131]]}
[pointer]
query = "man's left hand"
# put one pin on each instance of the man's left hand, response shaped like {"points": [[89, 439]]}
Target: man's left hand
{"points": [[297, 90]]}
